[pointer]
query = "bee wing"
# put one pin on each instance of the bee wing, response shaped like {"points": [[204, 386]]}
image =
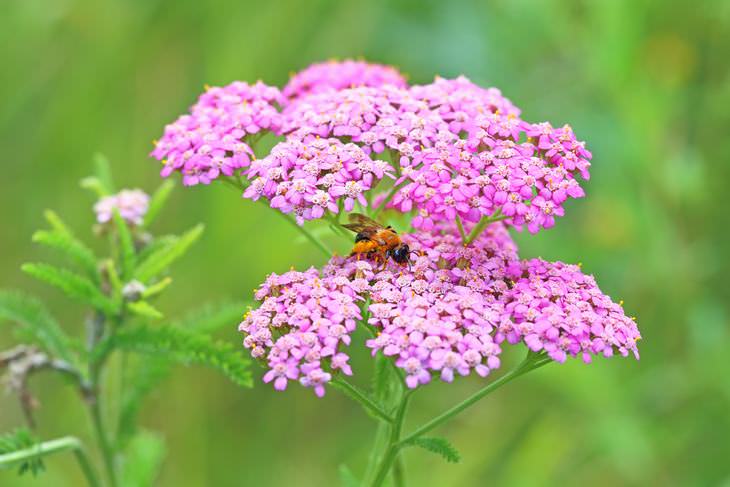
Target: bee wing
{"points": [[362, 224]]}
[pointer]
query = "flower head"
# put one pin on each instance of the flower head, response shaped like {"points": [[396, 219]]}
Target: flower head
{"points": [[311, 176], [337, 75], [436, 317], [302, 328], [556, 308], [214, 138], [132, 205]]}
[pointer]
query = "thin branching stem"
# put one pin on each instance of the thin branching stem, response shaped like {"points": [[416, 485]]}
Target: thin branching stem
{"points": [[50, 447], [482, 225], [460, 226], [394, 443], [366, 402], [531, 362]]}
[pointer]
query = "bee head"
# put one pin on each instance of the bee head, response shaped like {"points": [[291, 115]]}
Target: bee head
{"points": [[400, 254]]}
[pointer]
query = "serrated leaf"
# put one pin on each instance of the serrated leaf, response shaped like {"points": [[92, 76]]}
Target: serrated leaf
{"points": [[93, 184], [161, 258], [371, 406], [56, 223], [143, 460], [211, 317], [22, 439], [103, 172], [440, 446], [145, 309], [347, 478], [157, 202], [72, 248], [127, 252], [156, 288], [33, 315], [154, 246], [72, 284], [182, 346]]}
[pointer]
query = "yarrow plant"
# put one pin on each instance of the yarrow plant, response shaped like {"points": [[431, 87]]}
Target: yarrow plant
{"points": [[464, 168], [125, 336]]}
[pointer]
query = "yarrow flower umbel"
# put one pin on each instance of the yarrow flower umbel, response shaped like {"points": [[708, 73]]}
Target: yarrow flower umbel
{"points": [[132, 205], [464, 166]]}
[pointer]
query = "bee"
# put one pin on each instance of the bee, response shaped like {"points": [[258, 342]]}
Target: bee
{"points": [[372, 239]]}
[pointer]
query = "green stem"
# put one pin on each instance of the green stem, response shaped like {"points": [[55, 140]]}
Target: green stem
{"points": [[50, 447], [314, 240], [387, 199], [364, 400], [399, 472], [531, 362], [104, 443], [482, 224], [394, 443], [460, 226], [380, 435]]}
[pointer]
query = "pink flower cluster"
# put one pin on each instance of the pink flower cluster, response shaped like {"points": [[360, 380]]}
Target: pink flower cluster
{"points": [[300, 328], [311, 176], [556, 308], [132, 205], [337, 75], [213, 140], [451, 154], [460, 150], [512, 179], [444, 315], [439, 318]]}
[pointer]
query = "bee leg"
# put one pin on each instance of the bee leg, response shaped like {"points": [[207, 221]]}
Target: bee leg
{"points": [[385, 263]]}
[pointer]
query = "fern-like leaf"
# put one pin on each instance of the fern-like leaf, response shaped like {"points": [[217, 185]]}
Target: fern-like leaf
{"points": [[72, 284], [145, 310], [22, 439], [33, 316], [143, 460], [71, 248], [161, 258], [440, 446], [157, 202], [183, 346]]}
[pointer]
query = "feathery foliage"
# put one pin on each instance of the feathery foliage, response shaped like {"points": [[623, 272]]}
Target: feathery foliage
{"points": [[145, 310], [440, 446], [157, 261], [72, 284], [22, 439], [34, 318], [61, 239], [182, 346]]}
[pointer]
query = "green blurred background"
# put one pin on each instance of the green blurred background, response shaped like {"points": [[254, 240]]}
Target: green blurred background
{"points": [[645, 83]]}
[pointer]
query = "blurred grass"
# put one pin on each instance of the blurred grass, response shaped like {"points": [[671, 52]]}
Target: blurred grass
{"points": [[645, 83]]}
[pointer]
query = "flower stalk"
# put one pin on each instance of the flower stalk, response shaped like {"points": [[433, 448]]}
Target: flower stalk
{"points": [[67, 443]]}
